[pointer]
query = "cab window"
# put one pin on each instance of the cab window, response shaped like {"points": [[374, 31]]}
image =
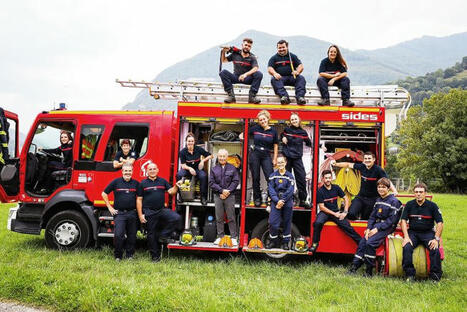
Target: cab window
{"points": [[137, 134], [89, 140]]}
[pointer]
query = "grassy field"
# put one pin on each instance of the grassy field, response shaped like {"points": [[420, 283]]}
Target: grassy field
{"points": [[90, 279]]}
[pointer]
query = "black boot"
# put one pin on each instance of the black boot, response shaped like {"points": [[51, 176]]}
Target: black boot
{"points": [[271, 243], [369, 271], [230, 97], [253, 99], [301, 101], [324, 102], [285, 100], [285, 245], [348, 103], [354, 267], [313, 248], [304, 204]]}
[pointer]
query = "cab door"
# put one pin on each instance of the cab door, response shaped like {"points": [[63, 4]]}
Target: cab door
{"points": [[9, 156]]}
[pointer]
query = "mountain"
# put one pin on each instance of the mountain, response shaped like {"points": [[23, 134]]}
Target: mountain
{"points": [[366, 67]]}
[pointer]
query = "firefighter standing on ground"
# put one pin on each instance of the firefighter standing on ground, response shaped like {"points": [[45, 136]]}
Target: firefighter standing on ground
{"points": [[363, 203], [327, 201], [382, 222], [281, 188], [123, 211], [292, 139], [161, 222], [286, 70], [245, 71], [421, 213]]}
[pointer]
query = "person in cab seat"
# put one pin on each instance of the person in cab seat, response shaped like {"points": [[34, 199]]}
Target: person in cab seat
{"points": [[65, 150], [123, 211], [421, 214], [292, 139], [327, 201], [281, 188], [193, 165], [363, 203], [265, 140], [160, 221], [125, 156], [286, 70], [382, 222], [246, 71], [333, 72], [223, 180]]}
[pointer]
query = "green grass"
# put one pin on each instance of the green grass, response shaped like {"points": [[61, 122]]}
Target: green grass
{"points": [[90, 280]]}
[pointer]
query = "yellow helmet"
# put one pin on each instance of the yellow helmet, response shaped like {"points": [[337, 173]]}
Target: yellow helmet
{"points": [[187, 238]]}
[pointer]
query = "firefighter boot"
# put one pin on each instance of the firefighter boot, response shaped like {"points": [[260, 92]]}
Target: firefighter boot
{"points": [[285, 245], [313, 248], [348, 103], [354, 267], [369, 271], [230, 97], [252, 98], [324, 102], [271, 243]]}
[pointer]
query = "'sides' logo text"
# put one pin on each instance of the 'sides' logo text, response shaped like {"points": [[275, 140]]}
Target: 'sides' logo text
{"points": [[359, 116]]}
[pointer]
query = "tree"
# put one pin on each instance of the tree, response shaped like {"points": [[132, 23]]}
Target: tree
{"points": [[433, 141]]}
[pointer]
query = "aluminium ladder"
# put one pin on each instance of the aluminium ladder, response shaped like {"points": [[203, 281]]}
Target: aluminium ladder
{"points": [[389, 96]]}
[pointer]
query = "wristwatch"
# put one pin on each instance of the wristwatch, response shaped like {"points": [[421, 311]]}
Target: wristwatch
{"points": [[437, 238]]}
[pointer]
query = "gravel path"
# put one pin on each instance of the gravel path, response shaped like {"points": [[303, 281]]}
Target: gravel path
{"points": [[16, 307]]}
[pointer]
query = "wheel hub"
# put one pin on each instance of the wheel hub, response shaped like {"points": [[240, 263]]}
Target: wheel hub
{"points": [[66, 233]]}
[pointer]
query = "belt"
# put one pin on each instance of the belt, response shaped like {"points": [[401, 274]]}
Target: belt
{"points": [[259, 148]]}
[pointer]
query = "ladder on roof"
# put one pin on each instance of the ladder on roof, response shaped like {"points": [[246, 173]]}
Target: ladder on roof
{"points": [[389, 96]]}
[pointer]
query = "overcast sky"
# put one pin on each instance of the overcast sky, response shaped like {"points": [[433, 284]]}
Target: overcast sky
{"points": [[72, 51]]}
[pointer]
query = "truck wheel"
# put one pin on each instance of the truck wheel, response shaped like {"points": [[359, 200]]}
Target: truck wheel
{"points": [[67, 230], [261, 231]]}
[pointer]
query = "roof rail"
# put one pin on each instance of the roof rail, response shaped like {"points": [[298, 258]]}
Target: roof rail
{"points": [[389, 96]]}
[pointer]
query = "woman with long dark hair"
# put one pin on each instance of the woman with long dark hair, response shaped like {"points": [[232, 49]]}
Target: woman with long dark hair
{"points": [[333, 72]]}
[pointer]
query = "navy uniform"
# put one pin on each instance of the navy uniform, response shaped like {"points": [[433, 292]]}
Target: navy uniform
{"points": [[421, 218], [329, 199], [384, 217], [161, 222], [281, 187], [126, 218], [365, 200], [260, 157], [241, 65], [327, 66], [120, 154], [192, 160], [293, 151], [281, 64], [66, 150]]}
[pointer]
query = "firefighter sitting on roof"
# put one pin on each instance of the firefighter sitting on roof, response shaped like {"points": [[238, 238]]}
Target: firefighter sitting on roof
{"points": [[126, 155], [281, 188], [245, 71]]}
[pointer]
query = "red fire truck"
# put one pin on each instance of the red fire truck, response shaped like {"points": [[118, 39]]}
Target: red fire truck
{"points": [[73, 214]]}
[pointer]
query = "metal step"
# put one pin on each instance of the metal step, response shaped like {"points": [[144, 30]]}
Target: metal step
{"points": [[389, 96]]}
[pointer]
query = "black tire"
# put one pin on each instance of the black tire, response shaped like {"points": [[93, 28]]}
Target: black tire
{"points": [[68, 230], [261, 231]]}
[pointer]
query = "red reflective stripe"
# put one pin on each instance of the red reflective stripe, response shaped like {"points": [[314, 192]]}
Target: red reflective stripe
{"points": [[283, 62], [154, 187], [370, 179], [66, 149], [331, 199], [263, 134], [420, 216], [195, 160], [242, 63], [296, 136], [130, 190]]}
